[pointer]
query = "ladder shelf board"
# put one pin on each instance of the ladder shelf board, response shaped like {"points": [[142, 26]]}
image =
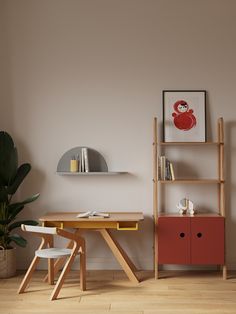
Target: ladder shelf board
{"points": [[187, 215], [190, 143], [192, 181]]}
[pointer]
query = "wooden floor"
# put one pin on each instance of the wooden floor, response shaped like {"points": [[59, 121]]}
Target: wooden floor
{"points": [[111, 292]]}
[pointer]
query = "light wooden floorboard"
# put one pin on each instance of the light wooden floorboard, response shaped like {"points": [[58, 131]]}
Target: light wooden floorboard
{"points": [[111, 292]]}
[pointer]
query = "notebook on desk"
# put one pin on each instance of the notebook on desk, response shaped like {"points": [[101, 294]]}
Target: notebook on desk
{"points": [[93, 215]]}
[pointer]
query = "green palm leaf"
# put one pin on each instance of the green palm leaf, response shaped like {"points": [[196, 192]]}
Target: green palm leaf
{"points": [[3, 194], [19, 240], [30, 199], [5, 221], [21, 173], [17, 224], [8, 158], [16, 208]]}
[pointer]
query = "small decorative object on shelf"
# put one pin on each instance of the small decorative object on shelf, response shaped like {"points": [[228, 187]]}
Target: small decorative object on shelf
{"points": [[184, 116], [186, 206], [191, 209], [182, 206], [74, 164]]}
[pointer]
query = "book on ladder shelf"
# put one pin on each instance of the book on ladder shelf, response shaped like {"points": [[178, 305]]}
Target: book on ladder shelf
{"points": [[165, 169]]}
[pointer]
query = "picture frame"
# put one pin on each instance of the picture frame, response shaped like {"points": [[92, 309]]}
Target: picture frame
{"points": [[184, 115]]}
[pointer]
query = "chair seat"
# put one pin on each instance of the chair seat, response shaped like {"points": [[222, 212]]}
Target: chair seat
{"points": [[53, 253]]}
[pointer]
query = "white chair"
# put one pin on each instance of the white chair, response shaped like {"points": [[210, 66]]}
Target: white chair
{"points": [[51, 253]]}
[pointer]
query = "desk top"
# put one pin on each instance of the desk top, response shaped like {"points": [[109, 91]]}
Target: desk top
{"points": [[71, 217]]}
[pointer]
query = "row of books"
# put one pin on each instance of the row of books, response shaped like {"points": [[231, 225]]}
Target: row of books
{"points": [[165, 169]]}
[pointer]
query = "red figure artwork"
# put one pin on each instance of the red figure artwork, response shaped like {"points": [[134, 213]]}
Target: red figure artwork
{"points": [[183, 117]]}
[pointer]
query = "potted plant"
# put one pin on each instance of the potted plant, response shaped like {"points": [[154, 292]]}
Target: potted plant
{"points": [[11, 177]]}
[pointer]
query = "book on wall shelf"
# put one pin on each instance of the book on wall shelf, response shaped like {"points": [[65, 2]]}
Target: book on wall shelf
{"points": [[84, 160], [165, 169]]}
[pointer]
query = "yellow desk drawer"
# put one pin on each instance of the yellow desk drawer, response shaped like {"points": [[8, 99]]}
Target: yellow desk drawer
{"points": [[127, 225]]}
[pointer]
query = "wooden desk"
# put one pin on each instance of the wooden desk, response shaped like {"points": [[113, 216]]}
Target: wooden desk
{"points": [[118, 221]]}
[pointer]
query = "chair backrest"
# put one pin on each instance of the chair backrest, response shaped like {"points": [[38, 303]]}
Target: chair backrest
{"points": [[41, 231], [38, 229]]}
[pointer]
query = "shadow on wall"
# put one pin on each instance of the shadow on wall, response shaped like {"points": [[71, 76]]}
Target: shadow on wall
{"points": [[230, 188], [6, 82], [209, 132], [34, 183]]}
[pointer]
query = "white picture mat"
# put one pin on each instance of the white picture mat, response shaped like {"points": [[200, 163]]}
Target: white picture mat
{"points": [[196, 102]]}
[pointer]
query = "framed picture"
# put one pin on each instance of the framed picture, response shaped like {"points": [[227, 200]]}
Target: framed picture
{"points": [[184, 116]]}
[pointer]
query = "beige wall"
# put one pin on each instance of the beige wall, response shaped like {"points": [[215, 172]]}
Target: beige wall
{"points": [[83, 72]]}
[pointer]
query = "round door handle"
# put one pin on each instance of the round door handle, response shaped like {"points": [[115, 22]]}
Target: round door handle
{"points": [[199, 234], [182, 235]]}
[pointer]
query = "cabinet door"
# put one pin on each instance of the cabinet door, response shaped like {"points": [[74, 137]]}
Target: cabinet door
{"points": [[173, 240], [207, 240]]}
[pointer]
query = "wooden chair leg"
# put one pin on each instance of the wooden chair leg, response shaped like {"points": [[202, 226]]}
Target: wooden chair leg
{"points": [[51, 271], [50, 265], [64, 272], [31, 269], [28, 275], [82, 271], [61, 261], [58, 264]]}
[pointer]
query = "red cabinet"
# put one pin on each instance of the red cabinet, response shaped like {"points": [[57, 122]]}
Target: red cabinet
{"points": [[207, 240], [173, 240], [191, 240]]}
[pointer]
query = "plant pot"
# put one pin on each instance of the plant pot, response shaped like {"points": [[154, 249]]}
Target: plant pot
{"points": [[7, 263]]}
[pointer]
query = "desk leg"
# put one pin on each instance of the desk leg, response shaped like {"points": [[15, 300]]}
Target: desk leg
{"points": [[125, 256], [120, 255], [61, 261]]}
